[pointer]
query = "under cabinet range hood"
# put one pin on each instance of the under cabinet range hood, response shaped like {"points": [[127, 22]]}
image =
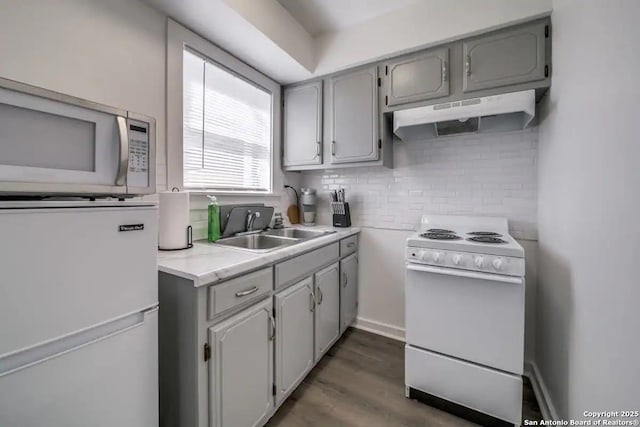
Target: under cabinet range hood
{"points": [[496, 113]]}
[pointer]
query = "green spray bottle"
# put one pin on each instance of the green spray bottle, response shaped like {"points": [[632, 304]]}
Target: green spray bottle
{"points": [[213, 233]]}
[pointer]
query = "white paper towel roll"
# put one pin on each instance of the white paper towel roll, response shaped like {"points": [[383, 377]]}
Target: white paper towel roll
{"points": [[174, 220]]}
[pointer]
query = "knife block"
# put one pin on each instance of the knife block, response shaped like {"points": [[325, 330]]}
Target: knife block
{"points": [[341, 214]]}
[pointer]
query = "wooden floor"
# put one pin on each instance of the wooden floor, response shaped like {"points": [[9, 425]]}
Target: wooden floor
{"points": [[360, 382]]}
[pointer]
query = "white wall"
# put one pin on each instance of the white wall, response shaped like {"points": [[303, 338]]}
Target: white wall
{"points": [[422, 24], [589, 232], [219, 22], [111, 52], [265, 36], [489, 174]]}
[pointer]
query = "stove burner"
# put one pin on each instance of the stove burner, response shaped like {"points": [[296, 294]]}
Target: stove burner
{"points": [[440, 236], [485, 233], [486, 239], [440, 231]]}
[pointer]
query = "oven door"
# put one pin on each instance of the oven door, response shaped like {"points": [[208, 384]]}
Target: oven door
{"points": [[53, 143], [476, 317]]}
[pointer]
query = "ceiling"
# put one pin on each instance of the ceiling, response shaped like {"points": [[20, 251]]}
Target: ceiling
{"points": [[296, 40], [323, 16]]}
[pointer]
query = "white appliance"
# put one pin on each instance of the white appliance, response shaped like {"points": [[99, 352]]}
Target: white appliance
{"points": [[465, 290], [504, 112], [55, 144], [78, 314]]}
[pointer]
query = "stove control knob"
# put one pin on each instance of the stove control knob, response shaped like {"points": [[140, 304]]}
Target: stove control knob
{"points": [[423, 255], [479, 262], [457, 259], [497, 263], [437, 256]]}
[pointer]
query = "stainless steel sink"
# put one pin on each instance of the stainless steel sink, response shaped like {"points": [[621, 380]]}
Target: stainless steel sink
{"points": [[296, 233], [257, 242]]}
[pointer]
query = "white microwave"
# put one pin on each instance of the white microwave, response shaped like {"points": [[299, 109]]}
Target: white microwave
{"points": [[53, 144]]}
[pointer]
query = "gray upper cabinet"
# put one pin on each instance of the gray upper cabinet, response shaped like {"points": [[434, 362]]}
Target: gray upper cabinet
{"points": [[241, 368], [348, 291], [354, 116], [303, 125], [327, 319], [294, 346], [505, 58], [418, 78]]}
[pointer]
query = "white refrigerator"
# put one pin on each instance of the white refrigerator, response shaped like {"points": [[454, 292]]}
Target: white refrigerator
{"points": [[78, 314]]}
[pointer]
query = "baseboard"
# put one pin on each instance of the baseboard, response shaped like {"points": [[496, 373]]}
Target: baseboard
{"points": [[384, 329], [540, 390]]}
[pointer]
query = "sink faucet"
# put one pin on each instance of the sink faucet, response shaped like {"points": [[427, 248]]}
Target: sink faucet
{"points": [[251, 217]]}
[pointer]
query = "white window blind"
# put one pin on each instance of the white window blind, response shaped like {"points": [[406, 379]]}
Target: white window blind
{"points": [[226, 129]]}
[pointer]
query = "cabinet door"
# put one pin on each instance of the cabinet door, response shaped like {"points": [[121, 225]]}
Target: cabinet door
{"points": [[303, 125], [418, 78], [241, 368], [354, 116], [504, 58], [348, 291], [327, 316], [294, 329]]}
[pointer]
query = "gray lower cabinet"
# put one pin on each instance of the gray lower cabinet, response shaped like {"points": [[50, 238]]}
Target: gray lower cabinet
{"points": [[348, 291], [230, 353], [295, 308], [241, 368], [302, 133], [505, 58], [418, 77], [327, 319], [353, 107]]}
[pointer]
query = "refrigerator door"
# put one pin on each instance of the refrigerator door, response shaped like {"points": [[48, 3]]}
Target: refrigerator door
{"points": [[65, 269], [102, 377]]}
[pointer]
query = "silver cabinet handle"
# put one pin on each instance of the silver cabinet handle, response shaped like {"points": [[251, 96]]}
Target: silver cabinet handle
{"points": [[346, 279], [333, 148], [247, 292], [444, 71], [467, 65], [272, 328], [320, 296], [123, 155], [312, 302], [318, 144], [351, 244]]}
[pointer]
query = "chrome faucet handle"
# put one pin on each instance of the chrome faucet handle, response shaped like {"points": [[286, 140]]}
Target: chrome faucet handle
{"points": [[251, 217]]}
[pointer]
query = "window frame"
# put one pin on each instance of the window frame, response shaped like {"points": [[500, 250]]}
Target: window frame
{"points": [[178, 39]]}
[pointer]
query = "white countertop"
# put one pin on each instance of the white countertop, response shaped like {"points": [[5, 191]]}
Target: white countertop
{"points": [[207, 263]]}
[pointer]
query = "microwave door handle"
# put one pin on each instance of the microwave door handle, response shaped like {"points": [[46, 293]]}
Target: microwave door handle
{"points": [[123, 155]]}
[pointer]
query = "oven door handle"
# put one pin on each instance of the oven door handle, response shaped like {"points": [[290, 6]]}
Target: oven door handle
{"points": [[462, 273]]}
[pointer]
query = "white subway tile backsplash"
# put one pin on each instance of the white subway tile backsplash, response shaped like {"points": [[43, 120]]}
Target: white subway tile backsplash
{"points": [[490, 174]]}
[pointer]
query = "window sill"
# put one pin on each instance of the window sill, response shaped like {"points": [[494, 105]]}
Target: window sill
{"points": [[231, 193]]}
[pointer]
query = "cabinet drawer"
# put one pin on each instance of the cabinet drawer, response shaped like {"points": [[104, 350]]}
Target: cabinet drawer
{"points": [[465, 383], [348, 245], [238, 291], [303, 265]]}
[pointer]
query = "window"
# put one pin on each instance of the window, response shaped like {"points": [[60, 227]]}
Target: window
{"points": [[227, 129]]}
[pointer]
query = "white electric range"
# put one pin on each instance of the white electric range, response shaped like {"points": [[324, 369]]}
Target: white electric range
{"points": [[465, 291]]}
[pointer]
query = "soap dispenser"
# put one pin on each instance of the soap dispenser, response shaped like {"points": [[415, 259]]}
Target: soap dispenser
{"points": [[213, 233]]}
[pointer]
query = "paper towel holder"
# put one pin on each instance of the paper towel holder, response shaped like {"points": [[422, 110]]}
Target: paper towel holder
{"points": [[189, 241]]}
